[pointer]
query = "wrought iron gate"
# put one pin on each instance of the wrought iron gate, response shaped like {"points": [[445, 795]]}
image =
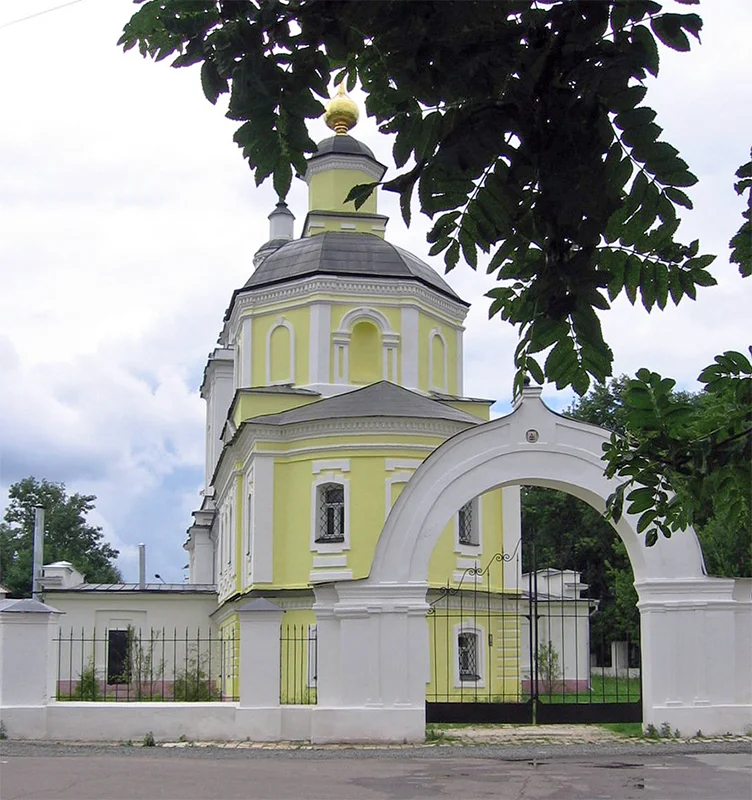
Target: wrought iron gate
{"points": [[513, 648]]}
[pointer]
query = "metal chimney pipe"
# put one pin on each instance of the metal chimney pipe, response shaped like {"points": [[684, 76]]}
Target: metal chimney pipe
{"points": [[142, 566], [38, 555]]}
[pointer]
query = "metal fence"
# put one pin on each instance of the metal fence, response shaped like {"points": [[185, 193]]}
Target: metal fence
{"points": [[298, 664], [131, 665]]}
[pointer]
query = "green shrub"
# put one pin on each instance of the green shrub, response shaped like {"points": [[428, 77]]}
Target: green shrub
{"points": [[87, 687], [192, 685]]}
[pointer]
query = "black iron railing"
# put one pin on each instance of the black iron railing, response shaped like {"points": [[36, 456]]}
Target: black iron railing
{"points": [[156, 665]]}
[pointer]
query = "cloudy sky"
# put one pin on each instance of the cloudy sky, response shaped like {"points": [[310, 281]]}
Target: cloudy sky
{"points": [[127, 217]]}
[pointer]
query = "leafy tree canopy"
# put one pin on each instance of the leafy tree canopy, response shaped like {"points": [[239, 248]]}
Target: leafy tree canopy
{"points": [[522, 125], [68, 536]]}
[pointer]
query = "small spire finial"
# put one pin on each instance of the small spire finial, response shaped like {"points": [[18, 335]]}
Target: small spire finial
{"points": [[341, 112]]}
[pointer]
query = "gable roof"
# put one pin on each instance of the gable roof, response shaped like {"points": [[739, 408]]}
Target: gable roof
{"points": [[383, 399]]}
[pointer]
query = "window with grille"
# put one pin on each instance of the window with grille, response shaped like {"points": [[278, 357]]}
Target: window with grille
{"points": [[467, 532], [467, 653], [331, 517]]}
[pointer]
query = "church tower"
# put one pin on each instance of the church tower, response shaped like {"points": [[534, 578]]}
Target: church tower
{"points": [[339, 369]]}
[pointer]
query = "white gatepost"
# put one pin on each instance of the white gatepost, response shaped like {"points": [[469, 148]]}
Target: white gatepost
{"points": [[696, 642], [372, 662], [27, 669], [259, 713]]}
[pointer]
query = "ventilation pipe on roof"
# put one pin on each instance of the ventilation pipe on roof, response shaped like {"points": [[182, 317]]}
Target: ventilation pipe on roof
{"points": [[142, 567], [38, 556]]}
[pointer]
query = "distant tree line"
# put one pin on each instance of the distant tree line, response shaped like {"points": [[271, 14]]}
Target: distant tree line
{"points": [[68, 535]]}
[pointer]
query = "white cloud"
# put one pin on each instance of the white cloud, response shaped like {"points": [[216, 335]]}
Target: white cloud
{"points": [[128, 217]]}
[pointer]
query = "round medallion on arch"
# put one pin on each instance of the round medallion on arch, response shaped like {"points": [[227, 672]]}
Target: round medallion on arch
{"points": [[531, 436]]}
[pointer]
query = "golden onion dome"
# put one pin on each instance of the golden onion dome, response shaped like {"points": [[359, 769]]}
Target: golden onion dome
{"points": [[341, 112]]}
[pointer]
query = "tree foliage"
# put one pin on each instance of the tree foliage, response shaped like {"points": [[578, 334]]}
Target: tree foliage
{"points": [[68, 536], [521, 125]]}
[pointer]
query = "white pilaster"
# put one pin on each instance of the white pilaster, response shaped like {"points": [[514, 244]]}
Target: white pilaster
{"points": [[319, 368], [372, 663], [246, 354], [27, 668], [262, 545], [410, 347]]}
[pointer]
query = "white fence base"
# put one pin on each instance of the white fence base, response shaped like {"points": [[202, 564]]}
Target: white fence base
{"points": [[218, 722]]}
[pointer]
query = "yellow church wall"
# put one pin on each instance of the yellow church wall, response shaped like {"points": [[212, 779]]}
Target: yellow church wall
{"points": [[479, 410], [327, 191], [250, 404], [263, 323], [443, 563], [297, 657], [229, 643], [499, 634]]}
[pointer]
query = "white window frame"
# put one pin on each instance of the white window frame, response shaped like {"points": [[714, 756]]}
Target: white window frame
{"points": [[470, 549], [322, 479], [480, 654]]}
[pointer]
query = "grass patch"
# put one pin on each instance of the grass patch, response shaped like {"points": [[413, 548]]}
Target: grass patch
{"points": [[631, 729], [602, 690]]}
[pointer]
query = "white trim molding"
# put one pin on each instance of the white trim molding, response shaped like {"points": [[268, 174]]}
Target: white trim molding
{"points": [[342, 336], [329, 161], [280, 322], [323, 478], [394, 479], [470, 627], [331, 465]]}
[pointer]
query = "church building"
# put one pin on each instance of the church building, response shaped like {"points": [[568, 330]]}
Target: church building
{"points": [[338, 371]]}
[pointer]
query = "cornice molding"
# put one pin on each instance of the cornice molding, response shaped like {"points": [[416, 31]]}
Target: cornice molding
{"points": [[251, 434], [330, 161], [338, 286]]}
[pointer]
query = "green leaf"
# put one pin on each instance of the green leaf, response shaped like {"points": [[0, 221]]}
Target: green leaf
{"points": [[678, 196], [640, 500], [642, 37], [212, 82], [669, 30]]}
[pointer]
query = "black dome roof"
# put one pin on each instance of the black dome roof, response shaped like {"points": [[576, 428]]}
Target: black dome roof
{"points": [[343, 143], [346, 254]]}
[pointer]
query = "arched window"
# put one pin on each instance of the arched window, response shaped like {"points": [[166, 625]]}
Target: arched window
{"points": [[365, 356], [331, 513]]}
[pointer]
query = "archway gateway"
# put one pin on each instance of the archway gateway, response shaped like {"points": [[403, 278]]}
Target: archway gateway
{"points": [[696, 631]]}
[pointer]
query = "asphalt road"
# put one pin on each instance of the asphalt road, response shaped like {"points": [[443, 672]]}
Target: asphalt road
{"points": [[45, 772]]}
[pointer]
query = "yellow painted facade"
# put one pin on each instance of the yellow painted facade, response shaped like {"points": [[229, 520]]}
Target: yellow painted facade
{"points": [[327, 191]]}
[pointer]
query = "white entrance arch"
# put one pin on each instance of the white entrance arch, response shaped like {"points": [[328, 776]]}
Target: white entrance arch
{"points": [[533, 446], [696, 631]]}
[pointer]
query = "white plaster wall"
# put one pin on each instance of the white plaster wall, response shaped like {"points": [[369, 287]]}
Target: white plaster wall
{"points": [[148, 610]]}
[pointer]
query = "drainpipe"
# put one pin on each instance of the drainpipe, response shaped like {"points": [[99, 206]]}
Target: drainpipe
{"points": [[38, 557], [142, 567]]}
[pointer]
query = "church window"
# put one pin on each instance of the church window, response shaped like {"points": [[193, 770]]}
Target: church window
{"points": [[467, 655], [118, 657], [331, 513], [467, 529]]}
